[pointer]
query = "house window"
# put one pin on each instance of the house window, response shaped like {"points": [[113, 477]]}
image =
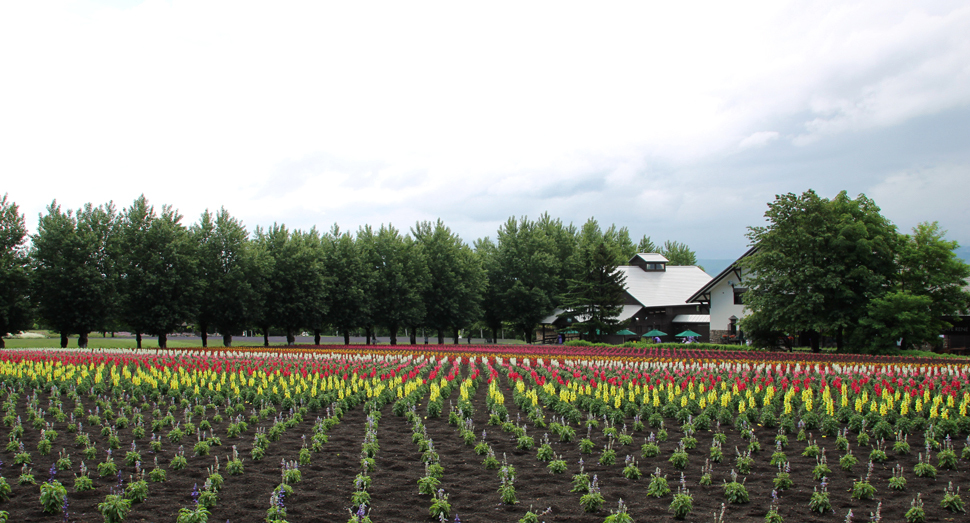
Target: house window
{"points": [[738, 293]]}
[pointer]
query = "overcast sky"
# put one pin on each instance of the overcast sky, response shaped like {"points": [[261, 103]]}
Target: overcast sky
{"points": [[680, 120]]}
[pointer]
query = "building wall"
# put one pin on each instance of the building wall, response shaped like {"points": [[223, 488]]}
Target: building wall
{"points": [[722, 305]]}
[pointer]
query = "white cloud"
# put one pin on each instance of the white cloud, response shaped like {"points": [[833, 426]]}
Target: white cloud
{"points": [[758, 139], [384, 110], [928, 194]]}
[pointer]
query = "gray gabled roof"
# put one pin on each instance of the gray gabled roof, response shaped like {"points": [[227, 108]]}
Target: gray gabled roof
{"points": [[663, 288], [697, 297]]}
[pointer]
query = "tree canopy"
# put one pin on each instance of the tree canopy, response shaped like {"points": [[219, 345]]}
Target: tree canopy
{"points": [[839, 268]]}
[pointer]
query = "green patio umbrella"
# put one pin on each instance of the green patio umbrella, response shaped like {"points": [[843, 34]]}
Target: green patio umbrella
{"points": [[654, 333], [570, 332], [626, 332], [688, 334]]}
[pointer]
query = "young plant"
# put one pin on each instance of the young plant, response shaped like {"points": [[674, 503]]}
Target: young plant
{"points": [[821, 469], [649, 449], [533, 517], [114, 508], [916, 514], [507, 489], [439, 505], [52, 495], [428, 484], [706, 471], [608, 457], [897, 481], [863, 489], [901, 447], [234, 464], [157, 474], [482, 448], [179, 461], [63, 461], [717, 454], [811, 450], [581, 481], [679, 458], [924, 469], [773, 516], [630, 469], [743, 461], [947, 458], [82, 482], [26, 476], [778, 457], [658, 486], [842, 440], [878, 452], [557, 465], [683, 502], [951, 499], [819, 501], [593, 499], [848, 461], [735, 492]]}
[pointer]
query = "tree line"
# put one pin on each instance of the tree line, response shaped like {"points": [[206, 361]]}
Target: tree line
{"points": [[141, 269]]}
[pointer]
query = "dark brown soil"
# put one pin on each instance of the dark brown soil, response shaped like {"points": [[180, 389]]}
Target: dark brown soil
{"points": [[324, 494]]}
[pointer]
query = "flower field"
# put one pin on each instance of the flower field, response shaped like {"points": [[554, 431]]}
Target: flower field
{"points": [[474, 434]]}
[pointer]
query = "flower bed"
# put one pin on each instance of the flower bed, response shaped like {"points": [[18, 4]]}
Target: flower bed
{"points": [[478, 434]]}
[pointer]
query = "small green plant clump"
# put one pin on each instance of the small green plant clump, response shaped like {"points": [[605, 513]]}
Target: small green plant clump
{"points": [[658, 486], [734, 491]]}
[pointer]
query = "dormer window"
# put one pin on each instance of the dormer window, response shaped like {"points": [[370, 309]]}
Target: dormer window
{"points": [[650, 261]]}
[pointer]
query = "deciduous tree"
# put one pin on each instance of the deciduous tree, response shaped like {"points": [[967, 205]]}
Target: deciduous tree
{"points": [[15, 307], [74, 270]]}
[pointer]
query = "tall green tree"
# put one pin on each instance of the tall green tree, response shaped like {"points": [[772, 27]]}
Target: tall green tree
{"points": [[15, 307], [295, 283], [678, 253], [595, 298], [453, 297], [493, 305], [930, 289], [400, 278], [645, 245], [349, 300], [225, 298], [74, 270], [530, 261], [818, 264], [158, 271]]}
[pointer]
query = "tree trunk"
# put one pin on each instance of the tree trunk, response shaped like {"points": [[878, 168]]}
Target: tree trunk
{"points": [[414, 337], [205, 334], [839, 342], [265, 336], [367, 334], [290, 338], [441, 337], [815, 337], [455, 336], [346, 337], [494, 336], [394, 335], [138, 340], [63, 340], [227, 340], [316, 336], [163, 341], [82, 340]]}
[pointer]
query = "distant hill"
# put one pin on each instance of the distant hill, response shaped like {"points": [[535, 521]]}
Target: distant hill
{"points": [[714, 267]]}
